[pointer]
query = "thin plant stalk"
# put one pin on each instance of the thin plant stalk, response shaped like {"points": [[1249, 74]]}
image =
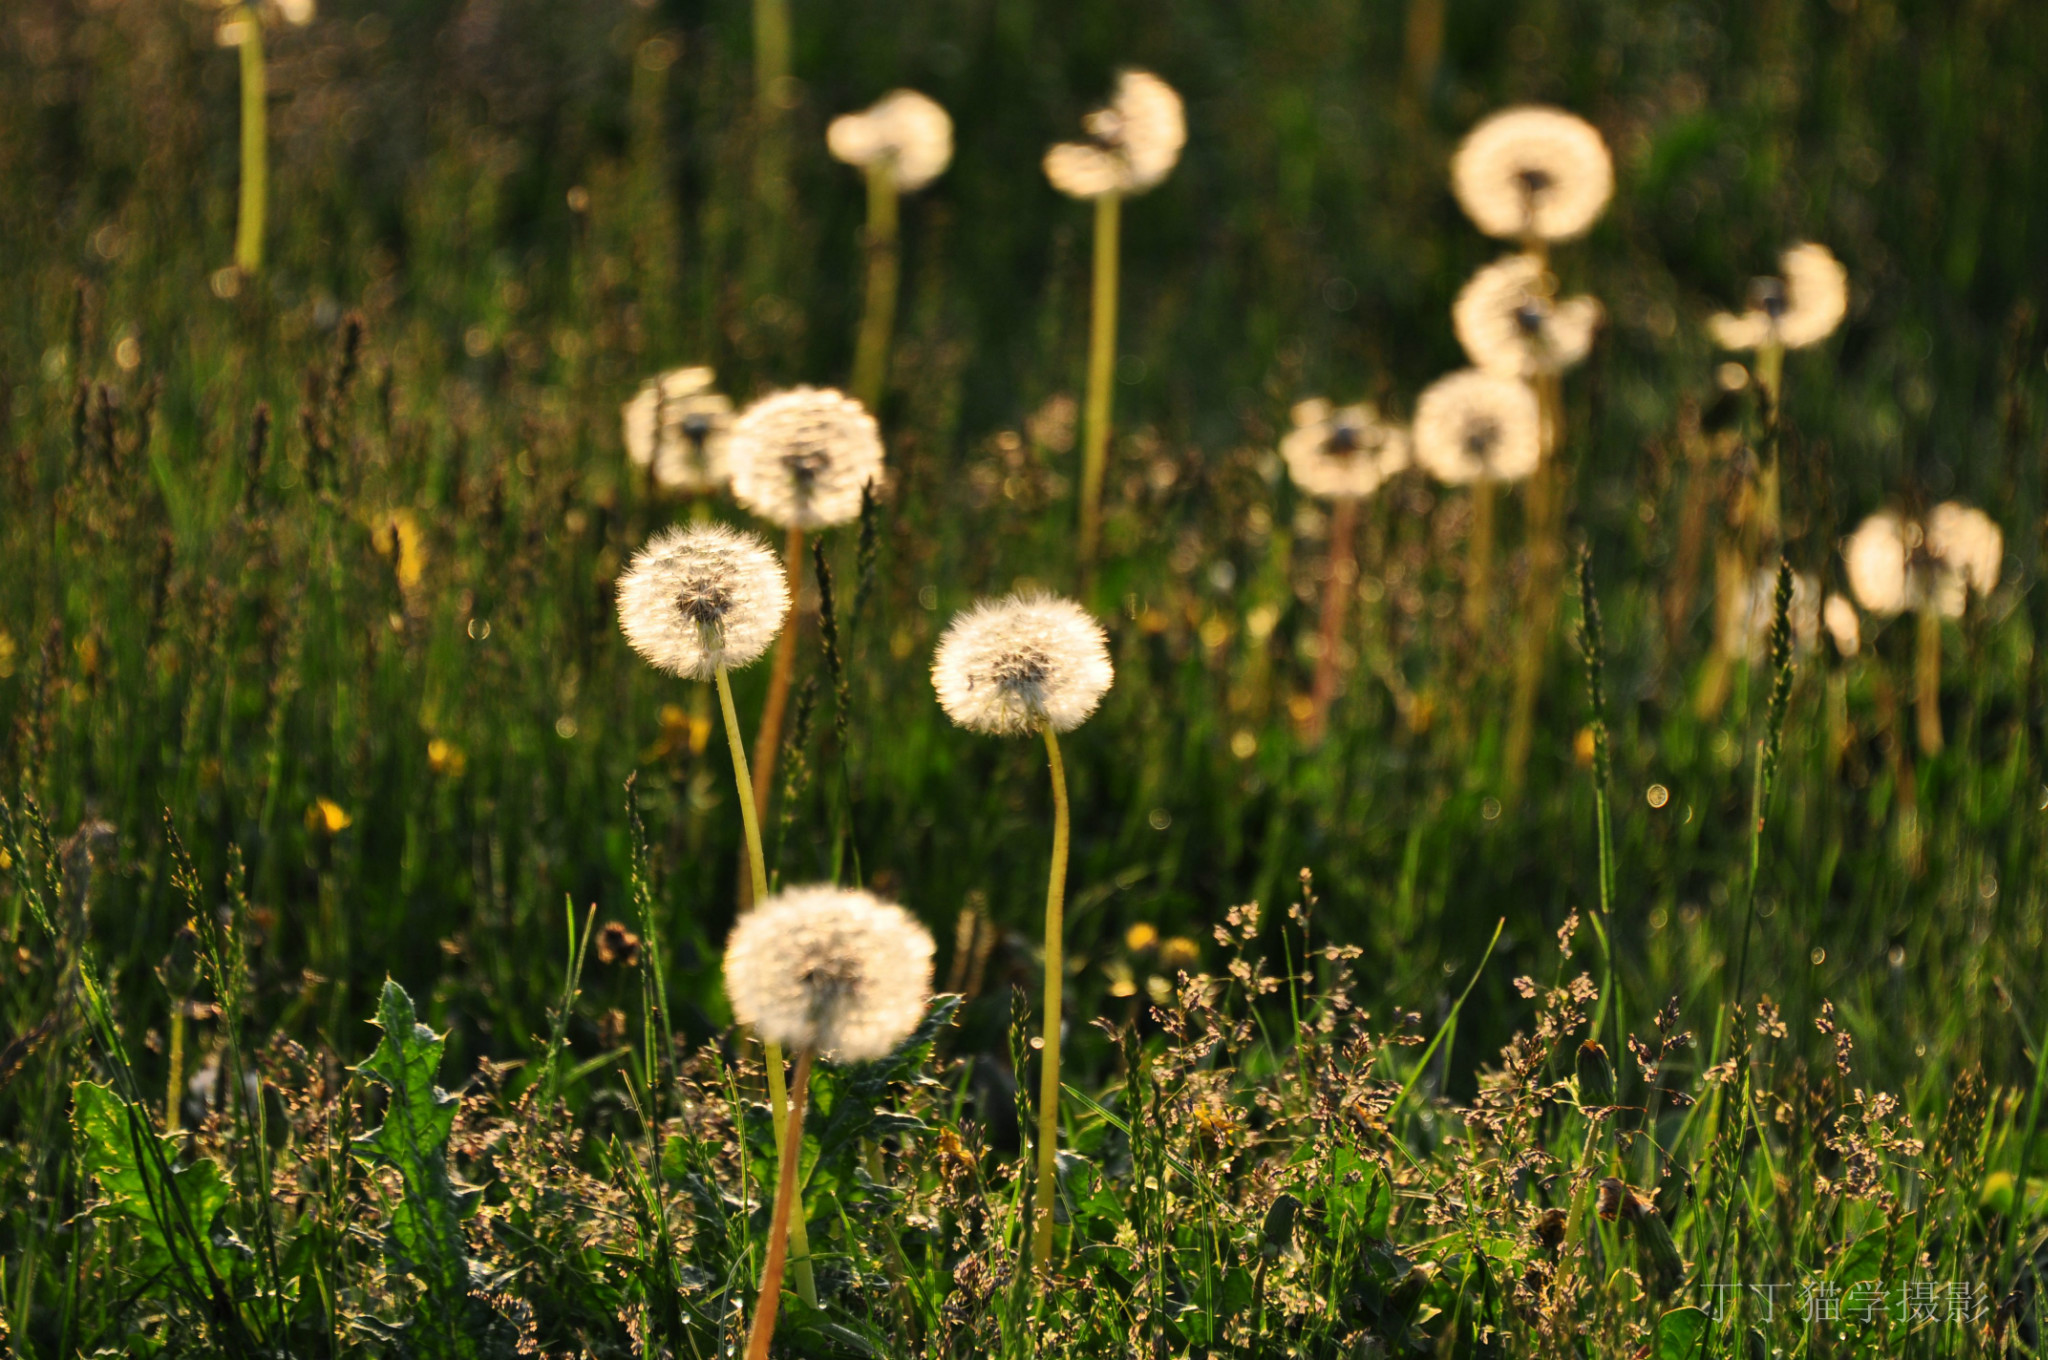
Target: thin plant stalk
{"points": [[885, 270], [1769, 511], [1546, 498], [1479, 559], [1337, 591], [1101, 373], [768, 737], [1055, 972], [255, 143], [782, 1226], [1927, 682], [174, 1088], [771, 56], [757, 863], [1593, 640]]}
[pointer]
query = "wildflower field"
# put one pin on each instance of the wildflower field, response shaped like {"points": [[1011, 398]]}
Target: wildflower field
{"points": [[982, 678]]}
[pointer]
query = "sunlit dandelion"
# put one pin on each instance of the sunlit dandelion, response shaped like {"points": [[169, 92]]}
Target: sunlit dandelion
{"points": [[1473, 426], [703, 598], [1802, 307], [1511, 322], [801, 458], [1533, 173], [906, 134], [678, 428], [1342, 451], [1133, 142]]}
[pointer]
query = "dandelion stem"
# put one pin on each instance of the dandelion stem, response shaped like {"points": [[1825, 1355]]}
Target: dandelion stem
{"points": [[1546, 505], [768, 737], [1337, 591], [782, 1227], [1055, 971], [757, 864], [1927, 682], [885, 268], [1101, 373], [255, 142], [1479, 563]]}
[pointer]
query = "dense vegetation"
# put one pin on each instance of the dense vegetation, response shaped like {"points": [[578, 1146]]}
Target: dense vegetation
{"points": [[315, 716]]}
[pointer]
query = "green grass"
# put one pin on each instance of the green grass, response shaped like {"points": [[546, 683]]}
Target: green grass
{"points": [[1348, 1145]]}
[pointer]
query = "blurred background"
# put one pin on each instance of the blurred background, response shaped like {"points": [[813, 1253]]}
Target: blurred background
{"points": [[380, 658]]}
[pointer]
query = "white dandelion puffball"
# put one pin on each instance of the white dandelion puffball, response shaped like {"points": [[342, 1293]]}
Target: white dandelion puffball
{"points": [[1020, 664], [1342, 452], [1473, 426], [700, 597], [1746, 630], [1844, 625], [1533, 172], [800, 458], [905, 131], [1895, 564], [298, 13], [1799, 309], [1511, 322], [834, 971], [1132, 145], [678, 428]]}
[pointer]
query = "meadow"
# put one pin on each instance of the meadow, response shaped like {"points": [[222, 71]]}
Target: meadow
{"points": [[1473, 944]]}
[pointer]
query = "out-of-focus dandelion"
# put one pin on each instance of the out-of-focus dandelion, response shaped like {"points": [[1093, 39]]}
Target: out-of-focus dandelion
{"points": [[677, 428], [1343, 454], [1533, 174], [827, 972], [1012, 667], [1478, 428], [902, 142], [1896, 564], [241, 27], [1802, 307], [699, 602], [1511, 322], [1132, 145], [801, 459], [1845, 627]]}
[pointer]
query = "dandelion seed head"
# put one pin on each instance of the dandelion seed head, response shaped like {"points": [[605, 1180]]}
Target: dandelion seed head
{"points": [[1875, 558], [679, 428], [801, 458], [1966, 548], [1533, 172], [835, 971], [1474, 426], [1895, 564], [702, 595], [297, 13], [1022, 663], [1511, 322], [1133, 142], [1337, 452], [904, 130], [1843, 623], [1802, 307]]}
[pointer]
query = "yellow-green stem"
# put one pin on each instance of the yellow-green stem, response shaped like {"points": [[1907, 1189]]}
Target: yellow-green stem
{"points": [[255, 143], [768, 737], [1479, 582], [1927, 683], [175, 1088], [878, 309], [783, 1229], [1101, 374], [771, 56], [757, 865], [1546, 553], [1337, 592], [1055, 974]]}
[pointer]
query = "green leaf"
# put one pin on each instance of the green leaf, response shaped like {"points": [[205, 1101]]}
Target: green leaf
{"points": [[1682, 1334], [175, 1220], [425, 1238], [1860, 1260]]}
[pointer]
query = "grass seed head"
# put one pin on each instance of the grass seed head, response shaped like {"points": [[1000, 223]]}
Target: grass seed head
{"points": [[700, 597], [1017, 665], [801, 458], [832, 970], [1533, 173]]}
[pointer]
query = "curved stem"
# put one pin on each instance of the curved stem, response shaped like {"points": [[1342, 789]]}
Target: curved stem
{"points": [[885, 267], [1055, 973], [1101, 374], [1337, 592], [787, 1193], [768, 737], [255, 143], [757, 865]]}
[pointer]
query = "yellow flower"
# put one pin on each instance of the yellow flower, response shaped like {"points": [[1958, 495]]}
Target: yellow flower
{"points": [[1141, 937], [327, 815], [397, 535], [1179, 952], [445, 757]]}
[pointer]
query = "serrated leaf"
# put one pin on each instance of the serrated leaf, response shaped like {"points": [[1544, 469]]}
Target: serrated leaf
{"points": [[172, 1220], [425, 1237]]}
